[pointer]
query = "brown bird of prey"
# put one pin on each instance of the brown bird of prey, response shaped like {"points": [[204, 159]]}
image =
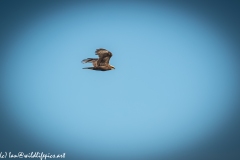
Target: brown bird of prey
{"points": [[101, 63]]}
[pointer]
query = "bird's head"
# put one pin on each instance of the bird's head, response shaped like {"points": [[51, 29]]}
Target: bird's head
{"points": [[112, 67]]}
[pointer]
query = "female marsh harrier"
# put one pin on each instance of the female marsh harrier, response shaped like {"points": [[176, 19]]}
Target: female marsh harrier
{"points": [[101, 63]]}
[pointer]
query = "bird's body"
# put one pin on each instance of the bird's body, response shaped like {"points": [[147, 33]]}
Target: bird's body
{"points": [[101, 63]]}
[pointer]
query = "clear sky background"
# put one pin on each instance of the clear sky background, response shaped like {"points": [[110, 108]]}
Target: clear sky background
{"points": [[173, 87]]}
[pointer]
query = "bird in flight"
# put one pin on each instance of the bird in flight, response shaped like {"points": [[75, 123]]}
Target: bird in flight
{"points": [[101, 63]]}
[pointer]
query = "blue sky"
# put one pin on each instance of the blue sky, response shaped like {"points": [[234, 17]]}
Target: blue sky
{"points": [[172, 87]]}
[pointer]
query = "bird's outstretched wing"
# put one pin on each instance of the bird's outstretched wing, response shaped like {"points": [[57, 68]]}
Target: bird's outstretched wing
{"points": [[104, 56]]}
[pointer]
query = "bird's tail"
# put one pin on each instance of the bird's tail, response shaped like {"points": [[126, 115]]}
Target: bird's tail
{"points": [[89, 60], [89, 68]]}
